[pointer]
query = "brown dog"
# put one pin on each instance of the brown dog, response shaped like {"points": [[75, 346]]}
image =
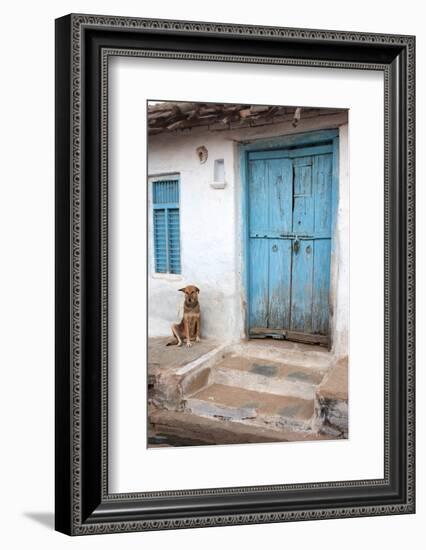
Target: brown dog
{"points": [[189, 328]]}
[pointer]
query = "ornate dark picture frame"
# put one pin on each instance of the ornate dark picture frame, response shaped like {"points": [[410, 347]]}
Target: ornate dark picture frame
{"points": [[84, 44]]}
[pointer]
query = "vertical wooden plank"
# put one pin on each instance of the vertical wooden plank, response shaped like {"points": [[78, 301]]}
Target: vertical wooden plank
{"points": [[302, 259], [259, 291], [322, 171], [334, 188], [280, 187], [322, 165], [279, 283], [245, 274], [259, 259], [280, 184], [258, 197], [321, 284], [303, 204], [301, 295]]}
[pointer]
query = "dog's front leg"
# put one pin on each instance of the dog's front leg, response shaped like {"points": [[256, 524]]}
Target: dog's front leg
{"points": [[176, 335], [188, 339], [197, 334]]}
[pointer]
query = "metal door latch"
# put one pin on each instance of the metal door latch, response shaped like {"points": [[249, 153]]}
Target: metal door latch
{"points": [[296, 245]]}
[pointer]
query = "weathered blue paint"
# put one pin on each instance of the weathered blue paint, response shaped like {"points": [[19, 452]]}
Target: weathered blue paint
{"points": [[291, 153], [301, 287], [259, 282], [245, 268], [315, 138], [334, 189], [279, 282], [289, 206], [280, 195]]}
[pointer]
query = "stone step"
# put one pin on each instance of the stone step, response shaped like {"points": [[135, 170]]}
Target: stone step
{"points": [[252, 408], [292, 353], [266, 376], [331, 401], [171, 428]]}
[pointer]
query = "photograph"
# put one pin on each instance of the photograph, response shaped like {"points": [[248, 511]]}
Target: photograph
{"points": [[248, 273]]}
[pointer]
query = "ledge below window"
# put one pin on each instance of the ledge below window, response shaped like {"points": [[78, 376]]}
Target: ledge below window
{"points": [[167, 276]]}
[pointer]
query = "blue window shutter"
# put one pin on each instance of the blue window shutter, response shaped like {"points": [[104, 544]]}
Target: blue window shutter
{"points": [[166, 220], [174, 240], [160, 244]]}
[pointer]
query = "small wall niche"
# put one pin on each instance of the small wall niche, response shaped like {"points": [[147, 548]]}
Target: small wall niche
{"points": [[218, 174]]}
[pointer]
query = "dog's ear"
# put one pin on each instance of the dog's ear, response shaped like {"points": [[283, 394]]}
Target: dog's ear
{"points": [[197, 289], [181, 289]]}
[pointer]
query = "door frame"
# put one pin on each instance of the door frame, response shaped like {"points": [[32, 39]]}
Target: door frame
{"points": [[310, 138]]}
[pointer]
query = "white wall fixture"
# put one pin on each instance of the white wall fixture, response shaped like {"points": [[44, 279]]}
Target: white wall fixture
{"points": [[219, 174]]}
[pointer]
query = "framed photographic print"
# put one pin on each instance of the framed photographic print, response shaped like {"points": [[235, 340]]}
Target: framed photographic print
{"points": [[234, 274]]}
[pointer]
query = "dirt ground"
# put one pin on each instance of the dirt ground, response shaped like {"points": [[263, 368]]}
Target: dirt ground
{"points": [[160, 355]]}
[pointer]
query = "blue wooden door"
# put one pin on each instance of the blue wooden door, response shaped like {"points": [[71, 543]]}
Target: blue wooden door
{"points": [[289, 218]]}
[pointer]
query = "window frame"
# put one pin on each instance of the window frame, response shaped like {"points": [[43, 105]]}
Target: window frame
{"points": [[152, 180]]}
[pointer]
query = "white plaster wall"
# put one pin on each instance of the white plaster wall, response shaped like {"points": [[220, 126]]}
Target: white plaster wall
{"points": [[211, 224], [341, 256], [207, 224]]}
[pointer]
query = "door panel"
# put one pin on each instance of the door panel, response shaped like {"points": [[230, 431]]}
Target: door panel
{"points": [[322, 168], [259, 284], [279, 283], [289, 241], [301, 287], [321, 285], [303, 203], [279, 177], [258, 193]]}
